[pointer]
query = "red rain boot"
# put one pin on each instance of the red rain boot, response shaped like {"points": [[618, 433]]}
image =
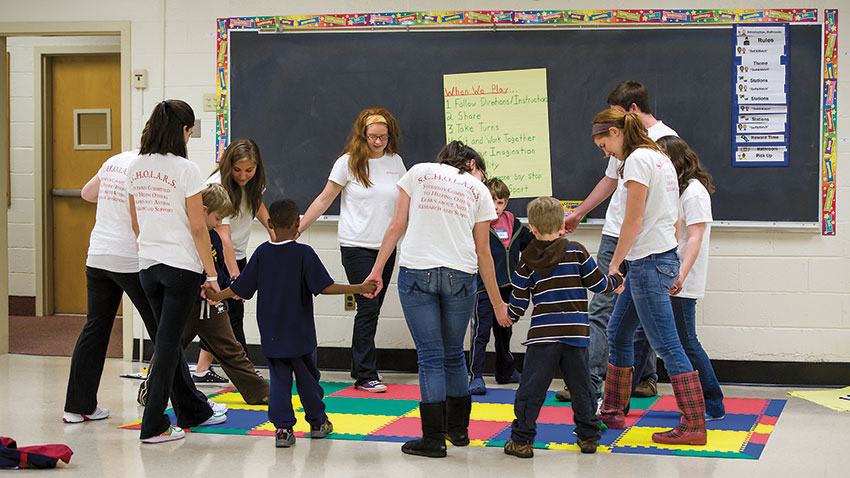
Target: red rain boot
{"points": [[618, 389], [691, 430]]}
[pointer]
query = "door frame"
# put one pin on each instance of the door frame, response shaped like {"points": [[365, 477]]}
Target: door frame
{"points": [[43, 168], [120, 29]]}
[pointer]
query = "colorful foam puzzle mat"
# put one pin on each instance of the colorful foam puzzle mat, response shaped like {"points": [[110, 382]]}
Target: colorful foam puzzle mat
{"points": [[393, 416]]}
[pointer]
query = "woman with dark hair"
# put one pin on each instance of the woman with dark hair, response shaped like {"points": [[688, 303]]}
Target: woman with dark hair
{"points": [[695, 189], [365, 174], [648, 244], [444, 212], [242, 174], [174, 249]]}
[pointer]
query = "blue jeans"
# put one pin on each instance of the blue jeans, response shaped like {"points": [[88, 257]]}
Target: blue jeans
{"points": [[437, 305], [483, 320], [684, 310], [646, 302], [598, 312]]}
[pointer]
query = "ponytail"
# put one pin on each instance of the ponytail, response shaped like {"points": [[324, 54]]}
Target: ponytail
{"points": [[163, 133], [459, 155], [634, 132]]}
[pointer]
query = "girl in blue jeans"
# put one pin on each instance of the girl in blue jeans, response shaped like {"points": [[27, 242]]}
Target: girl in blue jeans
{"points": [[444, 212], [648, 244]]}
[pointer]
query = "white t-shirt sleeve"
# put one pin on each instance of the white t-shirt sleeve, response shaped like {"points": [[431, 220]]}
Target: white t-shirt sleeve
{"points": [[696, 206], [486, 210], [638, 168], [194, 181], [406, 181], [340, 172], [611, 169]]}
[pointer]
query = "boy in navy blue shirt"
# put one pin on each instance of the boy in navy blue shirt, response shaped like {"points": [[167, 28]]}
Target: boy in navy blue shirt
{"points": [[285, 275], [554, 272]]}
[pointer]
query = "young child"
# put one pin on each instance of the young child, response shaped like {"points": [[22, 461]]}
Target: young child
{"points": [[284, 274], [214, 328], [554, 272], [507, 238]]}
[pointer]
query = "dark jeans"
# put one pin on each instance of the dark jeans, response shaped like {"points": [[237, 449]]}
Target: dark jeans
{"points": [[104, 289], [684, 311], [214, 330], [483, 320], [358, 263], [541, 361], [281, 413], [171, 293]]}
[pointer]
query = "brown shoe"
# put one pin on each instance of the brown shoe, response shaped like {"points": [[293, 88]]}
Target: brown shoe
{"points": [[587, 446], [525, 450], [645, 389], [564, 395]]}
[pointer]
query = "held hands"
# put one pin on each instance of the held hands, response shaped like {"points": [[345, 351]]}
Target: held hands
{"points": [[369, 287], [208, 292], [677, 287], [375, 278], [502, 315], [614, 270]]}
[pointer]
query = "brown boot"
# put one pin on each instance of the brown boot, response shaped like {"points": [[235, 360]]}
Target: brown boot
{"points": [[615, 398], [691, 430], [645, 388]]}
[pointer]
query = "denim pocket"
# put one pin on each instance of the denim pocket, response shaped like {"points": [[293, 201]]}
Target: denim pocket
{"points": [[413, 281], [668, 271], [462, 284]]}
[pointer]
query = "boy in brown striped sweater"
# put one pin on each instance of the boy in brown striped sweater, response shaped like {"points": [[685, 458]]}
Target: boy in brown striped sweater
{"points": [[554, 273]]}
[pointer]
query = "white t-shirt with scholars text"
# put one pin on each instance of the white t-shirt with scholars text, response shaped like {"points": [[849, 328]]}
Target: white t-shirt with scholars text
{"points": [[112, 245], [695, 208], [658, 229], [444, 207], [160, 185], [365, 213], [617, 206], [240, 224]]}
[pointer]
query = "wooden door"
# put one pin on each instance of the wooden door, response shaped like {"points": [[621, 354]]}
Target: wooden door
{"points": [[77, 144]]}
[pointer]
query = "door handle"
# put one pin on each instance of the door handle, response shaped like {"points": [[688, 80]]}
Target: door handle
{"points": [[66, 193]]}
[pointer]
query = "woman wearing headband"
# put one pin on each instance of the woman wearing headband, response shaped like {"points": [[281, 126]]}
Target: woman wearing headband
{"points": [[366, 174]]}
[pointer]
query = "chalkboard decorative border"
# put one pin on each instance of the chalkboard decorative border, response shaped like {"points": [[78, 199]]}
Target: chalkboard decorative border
{"points": [[557, 17]]}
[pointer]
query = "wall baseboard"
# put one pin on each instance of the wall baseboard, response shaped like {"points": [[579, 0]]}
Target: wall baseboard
{"points": [[22, 305], [728, 371]]}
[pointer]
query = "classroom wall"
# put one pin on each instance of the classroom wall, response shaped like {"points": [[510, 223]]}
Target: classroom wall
{"points": [[773, 296]]}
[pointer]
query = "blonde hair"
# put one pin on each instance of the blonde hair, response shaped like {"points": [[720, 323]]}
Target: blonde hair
{"points": [[216, 199], [546, 214]]}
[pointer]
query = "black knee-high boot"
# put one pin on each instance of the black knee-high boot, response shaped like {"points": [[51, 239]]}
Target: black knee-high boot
{"points": [[433, 441], [457, 419]]}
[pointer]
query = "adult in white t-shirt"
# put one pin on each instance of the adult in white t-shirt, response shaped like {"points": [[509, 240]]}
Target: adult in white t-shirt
{"points": [[174, 249], [112, 268], [694, 229], [365, 175], [444, 213], [648, 243], [632, 97], [241, 173]]}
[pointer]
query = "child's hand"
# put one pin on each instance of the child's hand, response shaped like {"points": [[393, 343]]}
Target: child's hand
{"points": [[378, 281], [619, 290], [209, 293], [367, 288], [677, 287]]}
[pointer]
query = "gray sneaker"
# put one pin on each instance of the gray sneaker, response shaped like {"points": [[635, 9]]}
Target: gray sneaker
{"points": [[284, 438], [324, 430]]}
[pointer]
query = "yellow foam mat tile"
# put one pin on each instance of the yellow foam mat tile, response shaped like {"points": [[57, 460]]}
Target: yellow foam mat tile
{"points": [[343, 423], [762, 428], [718, 440], [494, 412]]}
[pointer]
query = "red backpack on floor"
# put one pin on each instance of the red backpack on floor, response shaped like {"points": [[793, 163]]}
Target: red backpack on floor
{"points": [[41, 456]]}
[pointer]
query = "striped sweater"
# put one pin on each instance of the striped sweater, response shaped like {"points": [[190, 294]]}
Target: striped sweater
{"points": [[554, 275]]}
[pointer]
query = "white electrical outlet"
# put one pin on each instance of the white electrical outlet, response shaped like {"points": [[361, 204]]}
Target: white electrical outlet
{"points": [[140, 79], [210, 102]]}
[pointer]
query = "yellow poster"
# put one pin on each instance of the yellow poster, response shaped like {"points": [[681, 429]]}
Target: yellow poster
{"points": [[504, 115]]}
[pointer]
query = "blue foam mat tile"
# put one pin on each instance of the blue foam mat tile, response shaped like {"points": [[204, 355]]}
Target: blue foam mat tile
{"points": [[753, 449], [385, 438], [658, 419], [610, 436], [733, 422], [775, 408], [496, 395], [633, 450]]}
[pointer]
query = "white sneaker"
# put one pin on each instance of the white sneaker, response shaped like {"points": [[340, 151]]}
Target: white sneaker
{"points": [[217, 407], [173, 433], [215, 419], [98, 414]]}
